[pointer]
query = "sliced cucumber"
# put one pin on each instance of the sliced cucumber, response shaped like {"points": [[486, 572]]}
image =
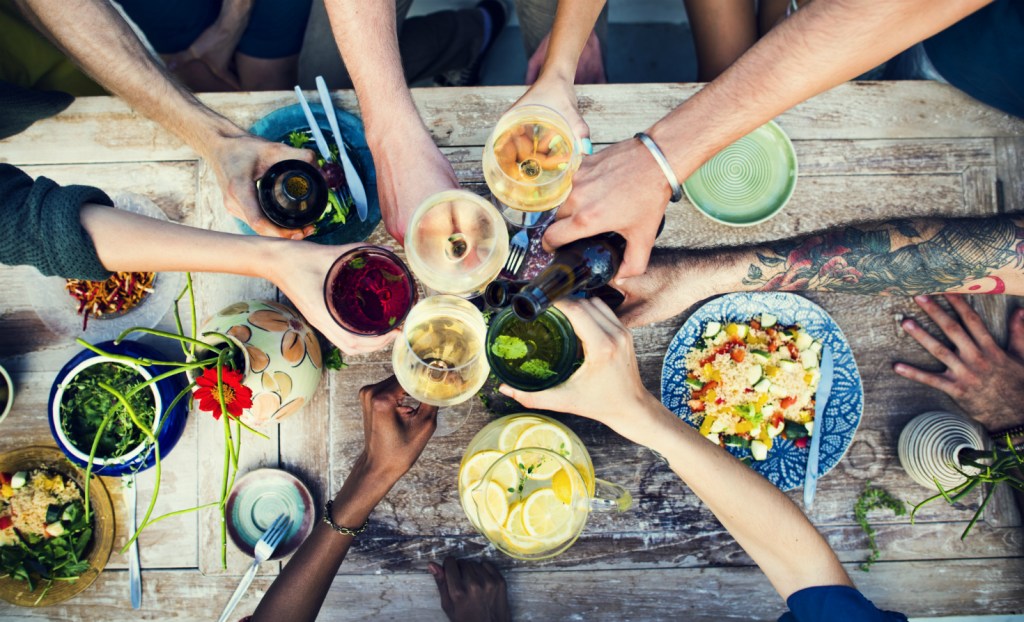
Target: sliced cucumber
{"points": [[803, 340], [19, 480], [768, 320], [55, 530], [712, 329], [774, 431], [714, 438], [693, 383], [816, 346], [761, 356], [733, 440], [809, 359], [718, 426], [795, 430], [753, 374], [788, 365], [777, 390], [762, 385], [768, 410], [758, 450]]}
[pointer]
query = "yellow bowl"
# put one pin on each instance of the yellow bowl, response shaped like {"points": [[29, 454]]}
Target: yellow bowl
{"points": [[51, 459]]}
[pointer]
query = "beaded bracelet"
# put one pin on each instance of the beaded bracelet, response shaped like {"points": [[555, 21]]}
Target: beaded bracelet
{"points": [[336, 527], [1017, 430], [659, 157]]}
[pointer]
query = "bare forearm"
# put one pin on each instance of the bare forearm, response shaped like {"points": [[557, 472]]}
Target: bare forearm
{"points": [[911, 257], [366, 34], [573, 22], [130, 242], [763, 520], [299, 591], [93, 34], [824, 44]]}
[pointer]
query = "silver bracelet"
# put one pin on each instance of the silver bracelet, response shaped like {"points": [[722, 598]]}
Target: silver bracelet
{"points": [[659, 157]]}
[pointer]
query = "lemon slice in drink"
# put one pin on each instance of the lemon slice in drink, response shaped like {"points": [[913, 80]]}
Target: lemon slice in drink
{"points": [[546, 517], [474, 468], [561, 484], [544, 436], [509, 435], [492, 505], [516, 536]]}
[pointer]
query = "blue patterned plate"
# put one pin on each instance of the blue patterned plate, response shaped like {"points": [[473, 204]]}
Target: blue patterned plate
{"points": [[786, 463]]}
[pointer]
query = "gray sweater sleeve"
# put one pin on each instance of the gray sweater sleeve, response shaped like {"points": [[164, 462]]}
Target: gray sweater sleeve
{"points": [[40, 226]]}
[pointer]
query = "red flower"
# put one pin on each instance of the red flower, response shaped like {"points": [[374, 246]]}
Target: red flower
{"points": [[237, 397]]}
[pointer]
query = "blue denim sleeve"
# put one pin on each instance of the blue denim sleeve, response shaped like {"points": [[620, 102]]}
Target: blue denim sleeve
{"points": [[828, 603]]}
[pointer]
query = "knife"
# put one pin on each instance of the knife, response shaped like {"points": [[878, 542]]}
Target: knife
{"points": [[134, 569], [355, 185], [820, 402]]}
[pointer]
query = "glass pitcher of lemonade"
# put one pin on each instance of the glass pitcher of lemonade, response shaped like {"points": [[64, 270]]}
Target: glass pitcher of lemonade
{"points": [[527, 484]]}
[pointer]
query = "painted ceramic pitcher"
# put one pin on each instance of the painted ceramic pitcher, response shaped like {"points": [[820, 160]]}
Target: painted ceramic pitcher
{"points": [[283, 362]]}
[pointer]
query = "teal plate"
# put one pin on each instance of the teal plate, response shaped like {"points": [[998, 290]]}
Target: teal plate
{"points": [[276, 127], [749, 181], [258, 498]]}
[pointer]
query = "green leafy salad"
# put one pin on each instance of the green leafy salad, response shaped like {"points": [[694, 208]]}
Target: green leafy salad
{"points": [[44, 533]]}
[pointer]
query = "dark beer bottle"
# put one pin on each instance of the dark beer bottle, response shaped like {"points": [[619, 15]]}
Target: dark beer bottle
{"points": [[292, 194], [579, 266], [499, 292]]}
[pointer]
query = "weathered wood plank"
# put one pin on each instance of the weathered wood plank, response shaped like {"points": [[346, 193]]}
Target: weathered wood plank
{"points": [[97, 129], [956, 587], [1010, 163]]}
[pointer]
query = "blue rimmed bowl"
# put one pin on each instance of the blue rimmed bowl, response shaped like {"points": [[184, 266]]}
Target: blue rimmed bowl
{"points": [[168, 427]]}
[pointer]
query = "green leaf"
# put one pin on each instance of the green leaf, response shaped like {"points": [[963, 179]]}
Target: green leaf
{"points": [[509, 348]]}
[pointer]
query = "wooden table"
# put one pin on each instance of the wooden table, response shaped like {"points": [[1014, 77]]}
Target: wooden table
{"points": [[866, 151]]}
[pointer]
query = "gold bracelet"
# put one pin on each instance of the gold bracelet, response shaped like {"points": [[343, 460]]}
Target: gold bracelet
{"points": [[336, 527]]}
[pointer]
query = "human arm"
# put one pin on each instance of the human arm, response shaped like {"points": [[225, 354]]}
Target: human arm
{"points": [[409, 165], [607, 388], [95, 36], [905, 257], [216, 45], [130, 242], [821, 45], [395, 435], [552, 83]]}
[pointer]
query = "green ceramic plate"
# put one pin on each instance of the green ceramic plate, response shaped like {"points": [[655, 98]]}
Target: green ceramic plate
{"points": [[747, 182], [258, 498]]}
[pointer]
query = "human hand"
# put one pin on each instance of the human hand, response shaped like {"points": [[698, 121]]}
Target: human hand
{"points": [[299, 269], [410, 168], [589, 68], [674, 281], [471, 591], [986, 381], [559, 95], [619, 189], [607, 386], [395, 434], [238, 162]]}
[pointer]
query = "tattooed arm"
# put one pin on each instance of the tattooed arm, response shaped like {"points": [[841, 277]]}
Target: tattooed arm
{"points": [[906, 257]]}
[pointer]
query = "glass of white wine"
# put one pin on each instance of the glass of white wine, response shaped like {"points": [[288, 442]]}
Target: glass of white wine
{"points": [[456, 243], [529, 161], [439, 358]]}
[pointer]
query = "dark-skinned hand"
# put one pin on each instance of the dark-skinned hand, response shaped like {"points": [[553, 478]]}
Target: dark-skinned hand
{"points": [[471, 591], [395, 433]]}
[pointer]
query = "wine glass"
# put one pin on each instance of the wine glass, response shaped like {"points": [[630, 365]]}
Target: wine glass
{"points": [[528, 162], [439, 357], [369, 291], [456, 243]]}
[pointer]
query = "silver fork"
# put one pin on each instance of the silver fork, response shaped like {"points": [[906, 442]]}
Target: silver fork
{"points": [[264, 549], [517, 251]]}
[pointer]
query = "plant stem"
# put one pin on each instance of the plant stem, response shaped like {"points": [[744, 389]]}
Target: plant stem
{"points": [[92, 456], [160, 333], [156, 446]]}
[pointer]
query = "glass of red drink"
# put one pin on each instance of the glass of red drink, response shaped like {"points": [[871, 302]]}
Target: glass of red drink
{"points": [[369, 291]]}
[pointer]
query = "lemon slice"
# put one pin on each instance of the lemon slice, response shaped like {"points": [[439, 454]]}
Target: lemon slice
{"points": [[561, 484], [469, 504], [544, 436], [546, 517], [474, 468], [516, 537], [512, 430], [492, 505]]}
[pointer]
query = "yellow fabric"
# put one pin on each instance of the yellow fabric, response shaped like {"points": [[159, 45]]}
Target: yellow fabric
{"points": [[28, 59]]}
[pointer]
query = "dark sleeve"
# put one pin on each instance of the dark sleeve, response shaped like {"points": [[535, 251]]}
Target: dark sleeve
{"points": [[835, 602], [40, 226]]}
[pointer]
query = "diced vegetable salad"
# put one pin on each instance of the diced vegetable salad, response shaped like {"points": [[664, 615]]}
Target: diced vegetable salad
{"points": [[43, 530], [751, 382]]}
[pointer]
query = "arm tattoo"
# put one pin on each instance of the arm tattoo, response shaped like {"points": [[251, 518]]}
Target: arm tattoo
{"points": [[866, 260]]}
